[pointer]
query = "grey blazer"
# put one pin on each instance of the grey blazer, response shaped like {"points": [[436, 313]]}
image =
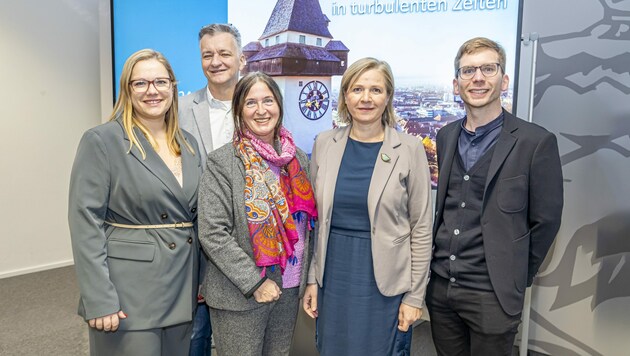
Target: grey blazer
{"points": [[399, 207], [224, 235], [194, 118], [147, 273], [522, 203]]}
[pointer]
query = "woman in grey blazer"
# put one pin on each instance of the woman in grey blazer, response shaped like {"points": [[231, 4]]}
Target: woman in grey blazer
{"points": [[373, 246], [132, 212], [256, 207]]}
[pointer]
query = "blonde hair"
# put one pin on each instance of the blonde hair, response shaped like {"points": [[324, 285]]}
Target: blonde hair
{"points": [[124, 109], [350, 77], [477, 44]]}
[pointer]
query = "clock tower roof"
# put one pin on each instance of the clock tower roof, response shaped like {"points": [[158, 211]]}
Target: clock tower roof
{"points": [[253, 46], [294, 50], [303, 16], [333, 45]]}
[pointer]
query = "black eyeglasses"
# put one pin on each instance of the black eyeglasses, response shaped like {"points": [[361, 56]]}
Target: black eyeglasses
{"points": [[142, 85], [488, 70]]}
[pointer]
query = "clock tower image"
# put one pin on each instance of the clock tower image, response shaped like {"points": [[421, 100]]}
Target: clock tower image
{"points": [[297, 49]]}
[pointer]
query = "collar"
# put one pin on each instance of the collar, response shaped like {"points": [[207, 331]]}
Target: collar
{"points": [[390, 138], [218, 104], [483, 130]]}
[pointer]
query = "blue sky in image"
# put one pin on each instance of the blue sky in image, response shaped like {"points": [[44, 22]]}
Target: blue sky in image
{"points": [[170, 27]]}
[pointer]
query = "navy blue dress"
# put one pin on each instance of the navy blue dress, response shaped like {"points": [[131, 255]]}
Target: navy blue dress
{"points": [[354, 317]]}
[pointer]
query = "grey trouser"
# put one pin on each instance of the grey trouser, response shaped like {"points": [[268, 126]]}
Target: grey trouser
{"points": [[266, 331], [169, 341]]}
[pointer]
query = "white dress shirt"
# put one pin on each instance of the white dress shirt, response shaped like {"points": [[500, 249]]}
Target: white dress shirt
{"points": [[221, 122]]}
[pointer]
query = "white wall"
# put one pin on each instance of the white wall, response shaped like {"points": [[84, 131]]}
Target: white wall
{"points": [[50, 94]]}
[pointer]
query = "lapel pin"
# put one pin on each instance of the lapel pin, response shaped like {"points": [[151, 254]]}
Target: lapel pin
{"points": [[385, 157]]}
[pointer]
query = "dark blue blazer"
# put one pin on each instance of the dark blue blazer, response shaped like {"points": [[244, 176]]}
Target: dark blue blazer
{"points": [[522, 203]]}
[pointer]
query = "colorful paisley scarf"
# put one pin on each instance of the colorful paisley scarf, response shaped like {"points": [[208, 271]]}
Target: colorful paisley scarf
{"points": [[273, 205]]}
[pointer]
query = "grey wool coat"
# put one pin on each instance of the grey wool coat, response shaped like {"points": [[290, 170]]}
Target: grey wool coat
{"points": [[146, 273], [224, 235]]}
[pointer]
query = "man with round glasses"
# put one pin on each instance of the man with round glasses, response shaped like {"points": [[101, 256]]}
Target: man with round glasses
{"points": [[207, 115], [488, 70], [498, 209]]}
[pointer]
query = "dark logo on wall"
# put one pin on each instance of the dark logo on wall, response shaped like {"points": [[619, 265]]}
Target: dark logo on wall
{"points": [[601, 58]]}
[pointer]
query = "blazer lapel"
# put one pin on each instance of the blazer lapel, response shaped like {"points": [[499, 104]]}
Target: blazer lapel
{"points": [[445, 164], [201, 113], [502, 148], [385, 163], [191, 172], [154, 164], [238, 180], [332, 161]]}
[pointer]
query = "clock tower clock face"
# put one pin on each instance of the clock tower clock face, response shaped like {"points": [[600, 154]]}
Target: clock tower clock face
{"points": [[314, 100]]}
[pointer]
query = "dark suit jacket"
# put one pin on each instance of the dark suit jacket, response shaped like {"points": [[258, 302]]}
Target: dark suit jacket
{"points": [[522, 203]]}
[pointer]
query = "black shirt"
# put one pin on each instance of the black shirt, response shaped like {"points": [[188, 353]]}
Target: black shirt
{"points": [[473, 145]]}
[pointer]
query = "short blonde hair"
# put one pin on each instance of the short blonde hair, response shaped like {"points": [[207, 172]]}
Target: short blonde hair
{"points": [[477, 44], [124, 109], [350, 77]]}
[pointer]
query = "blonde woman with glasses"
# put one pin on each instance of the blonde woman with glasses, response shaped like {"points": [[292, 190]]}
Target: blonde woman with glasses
{"points": [[132, 215]]}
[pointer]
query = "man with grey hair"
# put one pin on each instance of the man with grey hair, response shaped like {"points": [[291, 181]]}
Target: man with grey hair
{"points": [[207, 115]]}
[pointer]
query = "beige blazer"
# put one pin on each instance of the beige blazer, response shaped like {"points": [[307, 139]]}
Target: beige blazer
{"points": [[399, 204]]}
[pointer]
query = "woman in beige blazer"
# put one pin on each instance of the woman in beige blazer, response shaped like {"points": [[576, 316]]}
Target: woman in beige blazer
{"points": [[372, 250]]}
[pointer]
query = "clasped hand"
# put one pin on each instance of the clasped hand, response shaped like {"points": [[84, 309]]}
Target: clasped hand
{"points": [[267, 292]]}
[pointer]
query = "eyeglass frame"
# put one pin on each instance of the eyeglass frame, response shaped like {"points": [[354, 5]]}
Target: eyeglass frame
{"points": [[152, 82], [498, 66]]}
